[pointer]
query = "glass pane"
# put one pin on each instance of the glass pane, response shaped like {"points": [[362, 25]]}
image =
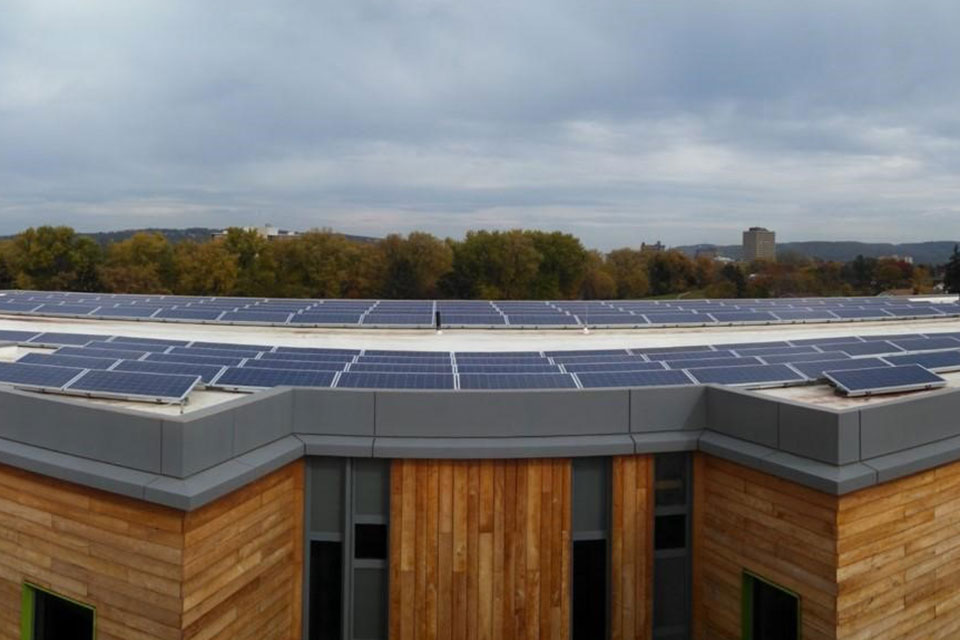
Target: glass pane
{"points": [[670, 470], [371, 487], [370, 541], [325, 597], [670, 532], [589, 589], [669, 592], [369, 604], [57, 619], [326, 495], [774, 612], [590, 494]]}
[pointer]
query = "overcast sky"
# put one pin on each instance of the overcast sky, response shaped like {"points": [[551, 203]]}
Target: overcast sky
{"points": [[620, 121]]}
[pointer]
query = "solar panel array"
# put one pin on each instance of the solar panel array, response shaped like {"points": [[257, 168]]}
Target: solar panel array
{"points": [[158, 370], [468, 313]]}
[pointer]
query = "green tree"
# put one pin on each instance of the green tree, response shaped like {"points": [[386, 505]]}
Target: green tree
{"points": [[205, 269], [670, 272], [256, 268], [563, 262], [54, 258], [628, 268], [143, 263], [951, 275], [413, 266], [598, 283], [493, 265]]}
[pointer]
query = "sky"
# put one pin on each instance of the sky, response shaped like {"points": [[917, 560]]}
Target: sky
{"points": [[621, 121]]}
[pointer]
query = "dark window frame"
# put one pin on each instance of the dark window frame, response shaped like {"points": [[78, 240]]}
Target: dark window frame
{"points": [[28, 596], [593, 535], [746, 603]]}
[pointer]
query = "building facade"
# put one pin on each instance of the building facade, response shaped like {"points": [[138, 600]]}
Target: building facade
{"points": [[759, 244]]}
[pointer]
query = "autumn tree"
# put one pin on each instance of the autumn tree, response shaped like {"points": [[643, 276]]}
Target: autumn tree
{"points": [[143, 263], [205, 269], [598, 283], [54, 258], [628, 268], [562, 265], [413, 266]]}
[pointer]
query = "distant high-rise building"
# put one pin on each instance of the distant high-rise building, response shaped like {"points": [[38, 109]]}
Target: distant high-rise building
{"points": [[655, 247], [759, 244]]}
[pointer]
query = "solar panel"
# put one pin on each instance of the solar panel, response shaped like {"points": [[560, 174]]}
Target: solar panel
{"points": [[679, 318], [816, 342], [860, 314], [491, 360], [804, 357], [927, 344], [444, 359], [794, 316], [307, 357], [127, 312], [189, 313], [206, 372], [448, 319], [712, 362], [739, 346], [325, 318], [572, 359], [66, 309], [611, 318], [254, 378], [318, 350], [399, 318], [36, 375], [932, 360], [401, 367], [517, 381], [116, 354], [650, 351], [507, 368], [17, 336], [864, 382], [80, 362], [863, 348], [588, 352], [201, 351], [395, 380], [126, 346], [134, 386], [742, 316], [66, 338], [638, 365], [223, 361], [301, 365], [267, 317], [691, 355], [752, 376], [540, 319], [603, 379], [913, 311], [814, 370], [774, 351], [140, 343]]}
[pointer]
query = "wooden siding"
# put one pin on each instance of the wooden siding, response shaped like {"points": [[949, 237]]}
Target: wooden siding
{"points": [[899, 558], [631, 567], [480, 549], [119, 555], [228, 570], [243, 562], [784, 532]]}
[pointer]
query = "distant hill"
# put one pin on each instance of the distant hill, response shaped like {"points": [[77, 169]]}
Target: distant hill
{"points": [[199, 234], [922, 252]]}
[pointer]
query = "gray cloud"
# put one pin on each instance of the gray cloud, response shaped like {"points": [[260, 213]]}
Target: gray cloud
{"points": [[618, 120]]}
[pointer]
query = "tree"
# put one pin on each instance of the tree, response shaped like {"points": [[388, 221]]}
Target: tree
{"points": [[670, 272], [143, 263], [413, 266], [256, 269], [563, 262], [493, 265], [951, 275], [205, 269], [629, 271], [597, 283], [54, 258]]}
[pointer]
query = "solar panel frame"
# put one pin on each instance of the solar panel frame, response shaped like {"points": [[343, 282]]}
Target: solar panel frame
{"points": [[128, 385], [36, 376], [116, 354], [250, 379], [427, 381], [936, 361], [814, 370], [621, 379], [62, 360], [206, 372], [884, 380], [187, 359], [298, 365], [505, 381], [754, 377]]}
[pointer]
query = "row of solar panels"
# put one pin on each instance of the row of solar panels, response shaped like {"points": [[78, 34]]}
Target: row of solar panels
{"points": [[468, 313]]}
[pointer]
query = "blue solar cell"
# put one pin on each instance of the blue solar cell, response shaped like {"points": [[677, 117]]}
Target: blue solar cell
{"points": [[126, 384], [401, 367], [496, 354], [932, 360], [36, 375], [824, 341], [116, 354], [399, 318], [317, 350], [206, 372], [753, 376], [603, 379], [927, 344], [740, 346], [223, 361], [910, 377], [302, 365], [55, 338], [691, 355], [333, 317], [307, 357], [778, 351], [814, 370], [539, 319], [126, 346], [395, 381], [713, 362], [227, 353], [266, 317], [66, 309], [189, 313], [17, 336], [742, 316], [442, 359], [18, 307], [637, 365], [679, 318], [588, 352], [507, 368], [254, 378], [571, 359], [804, 357], [517, 381], [229, 346], [609, 318], [862, 348], [906, 312], [858, 314], [793, 316], [492, 360], [127, 312], [141, 343], [651, 351], [79, 362], [449, 319]]}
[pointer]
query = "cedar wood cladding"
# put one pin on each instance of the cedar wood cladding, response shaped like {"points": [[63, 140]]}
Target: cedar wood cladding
{"points": [[230, 569], [480, 549], [631, 567]]}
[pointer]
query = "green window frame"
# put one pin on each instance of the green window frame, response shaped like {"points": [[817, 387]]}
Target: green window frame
{"points": [[28, 598], [746, 605]]}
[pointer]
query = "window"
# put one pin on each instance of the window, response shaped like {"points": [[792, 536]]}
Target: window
{"points": [[671, 546], [345, 595], [47, 616], [591, 530], [769, 612]]}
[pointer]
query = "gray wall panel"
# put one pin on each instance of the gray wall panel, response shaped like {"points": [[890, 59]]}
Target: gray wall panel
{"points": [[668, 408], [501, 414], [895, 426], [827, 436], [203, 442], [333, 412], [263, 419], [480, 448], [97, 432], [743, 415]]}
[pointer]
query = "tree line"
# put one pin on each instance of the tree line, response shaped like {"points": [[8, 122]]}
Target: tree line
{"points": [[514, 264]]}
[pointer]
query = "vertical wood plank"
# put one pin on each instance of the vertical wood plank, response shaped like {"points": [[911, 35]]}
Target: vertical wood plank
{"points": [[432, 549], [445, 558], [396, 548], [460, 549]]}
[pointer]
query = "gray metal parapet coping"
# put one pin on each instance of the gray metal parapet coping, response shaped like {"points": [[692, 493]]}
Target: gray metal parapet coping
{"points": [[186, 461]]}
